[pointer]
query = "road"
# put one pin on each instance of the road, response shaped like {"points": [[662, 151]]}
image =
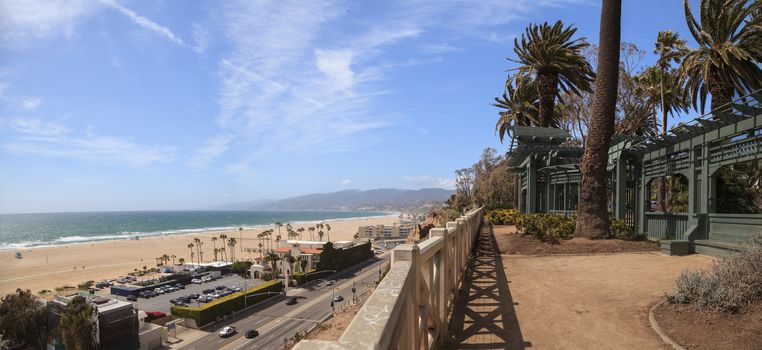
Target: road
{"points": [[275, 320]]}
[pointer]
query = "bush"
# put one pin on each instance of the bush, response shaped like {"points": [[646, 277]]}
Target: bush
{"points": [[240, 267], [620, 230], [732, 284], [223, 306], [546, 227], [502, 216]]}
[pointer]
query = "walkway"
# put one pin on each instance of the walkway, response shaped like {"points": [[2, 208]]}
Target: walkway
{"points": [[484, 316]]}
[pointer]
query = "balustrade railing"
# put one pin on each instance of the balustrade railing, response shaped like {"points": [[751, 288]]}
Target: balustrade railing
{"points": [[410, 307]]}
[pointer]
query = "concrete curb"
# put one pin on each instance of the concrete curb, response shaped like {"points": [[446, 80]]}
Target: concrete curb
{"points": [[655, 326]]}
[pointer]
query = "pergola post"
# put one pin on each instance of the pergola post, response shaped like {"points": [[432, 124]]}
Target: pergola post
{"points": [[642, 201], [620, 189], [531, 186], [706, 182], [692, 210]]}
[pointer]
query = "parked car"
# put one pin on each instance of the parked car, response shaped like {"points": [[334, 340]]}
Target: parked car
{"points": [[236, 289], [132, 298], [251, 333], [227, 331], [208, 291], [329, 283], [196, 281], [193, 296], [338, 298], [179, 286], [291, 301], [220, 288]]}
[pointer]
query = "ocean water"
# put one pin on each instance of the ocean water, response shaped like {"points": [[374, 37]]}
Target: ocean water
{"points": [[30, 230]]}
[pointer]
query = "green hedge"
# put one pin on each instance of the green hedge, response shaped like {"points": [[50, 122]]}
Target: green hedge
{"points": [[209, 312], [302, 278]]}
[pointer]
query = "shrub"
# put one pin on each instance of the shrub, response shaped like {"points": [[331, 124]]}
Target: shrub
{"points": [[546, 227], [732, 284], [223, 306], [620, 230], [502, 216], [240, 267]]}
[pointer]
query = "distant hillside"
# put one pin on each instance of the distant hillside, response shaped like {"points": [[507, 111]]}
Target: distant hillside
{"points": [[379, 199]]}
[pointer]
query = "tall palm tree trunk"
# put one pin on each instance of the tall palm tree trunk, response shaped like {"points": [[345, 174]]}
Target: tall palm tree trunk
{"points": [[592, 214], [547, 88], [722, 92]]}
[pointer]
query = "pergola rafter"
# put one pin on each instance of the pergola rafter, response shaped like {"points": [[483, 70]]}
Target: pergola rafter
{"points": [[549, 172]]}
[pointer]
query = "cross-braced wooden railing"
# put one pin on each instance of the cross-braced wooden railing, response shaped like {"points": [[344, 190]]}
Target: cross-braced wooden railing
{"points": [[410, 307]]}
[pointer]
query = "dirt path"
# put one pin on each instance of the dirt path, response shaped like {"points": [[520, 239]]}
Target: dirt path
{"points": [[591, 302]]}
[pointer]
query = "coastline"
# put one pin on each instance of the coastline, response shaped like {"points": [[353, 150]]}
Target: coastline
{"points": [[47, 267], [107, 237]]}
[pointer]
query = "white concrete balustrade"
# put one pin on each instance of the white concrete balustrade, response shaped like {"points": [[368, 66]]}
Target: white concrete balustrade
{"points": [[411, 306]]}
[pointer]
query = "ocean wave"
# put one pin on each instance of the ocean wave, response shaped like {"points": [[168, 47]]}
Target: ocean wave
{"points": [[80, 239]]}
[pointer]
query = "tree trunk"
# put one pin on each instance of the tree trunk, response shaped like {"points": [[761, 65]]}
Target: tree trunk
{"points": [[722, 92], [592, 213], [547, 89]]}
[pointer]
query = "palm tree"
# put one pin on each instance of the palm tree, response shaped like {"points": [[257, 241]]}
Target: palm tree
{"points": [[729, 53], [328, 231], [214, 244], [273, 259], [550, 56], [300, 230], [311, 229], [181, 260], [670, 48], [173, 259], [519, 105], [278, 225], [190, 246], [223, 237], [290, 260], [77, 325], [662, 90], [198, 248], [320, 234], [299, 263], [231, 243], [592, 213]]}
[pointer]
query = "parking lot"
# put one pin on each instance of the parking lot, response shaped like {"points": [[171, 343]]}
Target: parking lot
{"points": [[161, 302]]}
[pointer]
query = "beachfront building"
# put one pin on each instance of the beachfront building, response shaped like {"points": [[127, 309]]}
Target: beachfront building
{"points": [[707, 166], [384, 231], [116, 322], [306, 253]]}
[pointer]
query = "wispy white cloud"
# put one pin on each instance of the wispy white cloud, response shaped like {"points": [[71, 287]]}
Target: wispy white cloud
{"points": [[31, 102], [284, 88], [42, 138], [200, 38], [425, 181], [22, 21], [145, 22], [214, 147], [345, 182]]}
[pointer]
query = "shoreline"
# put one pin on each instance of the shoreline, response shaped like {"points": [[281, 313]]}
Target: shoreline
{"points": [[48, 267], [127, 236]]}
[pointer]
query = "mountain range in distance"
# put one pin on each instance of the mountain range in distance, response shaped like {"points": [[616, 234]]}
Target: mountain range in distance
{"points": [[377, 199]]}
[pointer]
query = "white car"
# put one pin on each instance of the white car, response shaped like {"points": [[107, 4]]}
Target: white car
{"points": [[196, 281], [227, 331]]}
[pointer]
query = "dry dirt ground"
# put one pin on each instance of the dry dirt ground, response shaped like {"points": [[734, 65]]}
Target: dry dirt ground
{"points": [[333, 328], [512, 243], [589, 302], [709, 331]]}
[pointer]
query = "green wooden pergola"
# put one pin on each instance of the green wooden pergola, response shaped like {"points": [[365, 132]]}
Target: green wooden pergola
{"points": [[548, 172]]}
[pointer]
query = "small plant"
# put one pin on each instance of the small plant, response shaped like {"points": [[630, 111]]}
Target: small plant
{"points": [[732, 284], [85, 285], [546, 227]]}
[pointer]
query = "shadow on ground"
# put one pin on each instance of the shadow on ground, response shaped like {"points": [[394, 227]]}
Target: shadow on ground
{"points": [[483, 315]]}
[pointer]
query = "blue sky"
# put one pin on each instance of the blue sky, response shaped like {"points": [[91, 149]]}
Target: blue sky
{"points": [[125, 104]]}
